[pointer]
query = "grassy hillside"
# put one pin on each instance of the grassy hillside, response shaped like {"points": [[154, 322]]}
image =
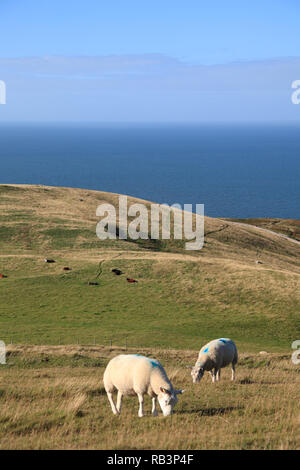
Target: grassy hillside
{"points": [[64, 331], [53, 398], [181, 299]]}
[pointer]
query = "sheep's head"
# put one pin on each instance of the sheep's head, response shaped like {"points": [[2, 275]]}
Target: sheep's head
{"points": [[167, 400], [197, 373]]}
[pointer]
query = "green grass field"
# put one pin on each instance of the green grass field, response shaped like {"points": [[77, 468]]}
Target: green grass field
{"points": [[181, 300], [162, 309]]}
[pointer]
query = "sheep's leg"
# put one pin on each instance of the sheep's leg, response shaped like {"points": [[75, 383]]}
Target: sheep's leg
{"points": [[111, 401], [218, 374], [154, 410], [233, 371], [119, 401], [212, 375], [141, 407]]}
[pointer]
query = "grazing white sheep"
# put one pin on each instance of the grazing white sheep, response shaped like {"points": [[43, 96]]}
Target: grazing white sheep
{"points": [[213, 357], [133, 374]]}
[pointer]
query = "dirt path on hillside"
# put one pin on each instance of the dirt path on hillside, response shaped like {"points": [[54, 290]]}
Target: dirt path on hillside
{"points": [[109, 255], [266, 230]]}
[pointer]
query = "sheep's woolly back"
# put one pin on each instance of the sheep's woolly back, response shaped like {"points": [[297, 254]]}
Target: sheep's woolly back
{"points": [[218, 352]]}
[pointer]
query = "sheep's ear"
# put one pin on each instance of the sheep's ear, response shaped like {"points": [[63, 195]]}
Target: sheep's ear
{"points": [[164, 390], [179, 392]]}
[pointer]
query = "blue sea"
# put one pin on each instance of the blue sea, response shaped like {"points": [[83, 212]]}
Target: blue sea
{"points": [[234, 170]]}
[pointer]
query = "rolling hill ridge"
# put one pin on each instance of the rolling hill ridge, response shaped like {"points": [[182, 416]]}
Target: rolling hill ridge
{"points": [[243, 283]]}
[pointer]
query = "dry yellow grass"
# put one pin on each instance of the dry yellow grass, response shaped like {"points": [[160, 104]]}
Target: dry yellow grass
{"points": [[45, 207], [46, 405]]}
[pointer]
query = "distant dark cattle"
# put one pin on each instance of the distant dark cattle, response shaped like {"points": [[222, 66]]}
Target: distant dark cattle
{"points": [[117, 272], [66, 268], [2, 276], [128, 279], [93, 284], [49, 260]]}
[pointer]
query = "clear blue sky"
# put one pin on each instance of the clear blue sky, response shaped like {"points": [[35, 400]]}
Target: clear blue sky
{"points": [[159, 47], [193, 30]]}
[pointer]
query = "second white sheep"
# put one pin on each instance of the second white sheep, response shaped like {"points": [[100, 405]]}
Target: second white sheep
{"points": [[212, 357]]}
